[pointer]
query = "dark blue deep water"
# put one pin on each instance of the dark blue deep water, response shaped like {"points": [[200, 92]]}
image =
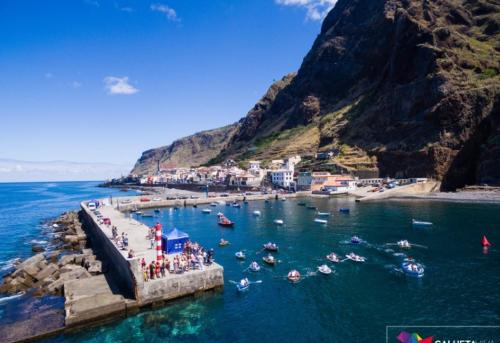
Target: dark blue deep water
{"points": [[461, 285]]}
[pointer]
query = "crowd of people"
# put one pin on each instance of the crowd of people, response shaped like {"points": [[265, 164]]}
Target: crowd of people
{"points": [[193, 256]]}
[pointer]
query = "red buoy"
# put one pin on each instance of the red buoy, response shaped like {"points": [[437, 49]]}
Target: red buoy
{"points": [[485, 242]]}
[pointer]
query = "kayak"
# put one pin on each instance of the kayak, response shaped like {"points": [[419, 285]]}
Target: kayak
{"points": [[254, 267], [293, 276], [240, 255], [420, 223], [355, 240], [321, 221], [404, 244], [242, 288], [269, 259], [356, 258], [271, 246], [333, 257], [412, 269], [324, 269]]}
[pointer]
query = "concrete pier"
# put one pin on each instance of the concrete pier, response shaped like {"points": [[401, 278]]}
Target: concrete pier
{"points": [[124, 289]]}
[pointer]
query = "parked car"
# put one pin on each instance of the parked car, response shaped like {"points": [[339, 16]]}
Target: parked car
{"points": [[145, 200], [171, 198], [156, 199]]}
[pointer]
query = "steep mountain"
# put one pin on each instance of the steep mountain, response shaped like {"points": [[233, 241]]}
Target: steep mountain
{"points": [[189, 151], [403, 87]]}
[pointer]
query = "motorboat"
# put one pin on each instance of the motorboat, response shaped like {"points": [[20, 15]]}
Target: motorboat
{"points": [[413, 269], [243, 285], [223, 242], [214, 204], [324, 269], [323, 214], [293, 276], [270, 246], [356, 240], [301, 204], [206, 210], [404, 244], [147, 215], [225, 222], [311, 207], [278, 221], [254, 266], [344, 210], [256, 213], [157, 210], [283, 199], [420, 223], [236, 204], [356, 258], [240, 255], [321, 221], [269, 259], [333, 257]]}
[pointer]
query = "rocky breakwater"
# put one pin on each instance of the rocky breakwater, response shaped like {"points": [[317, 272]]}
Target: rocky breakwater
{"points": [[45, 273]]}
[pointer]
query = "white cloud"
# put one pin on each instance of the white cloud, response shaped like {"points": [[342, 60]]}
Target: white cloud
{"points": [[167, 11], [316, 9], [118, 85], [76, 84], [14, 170]]}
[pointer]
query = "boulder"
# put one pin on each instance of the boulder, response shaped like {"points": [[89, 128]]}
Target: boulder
{"points": [[47, 271], [79, 259], [55, 287], [31, 269], [37, 248], [73, 239], [53, 255], [42, 264], [64, 260], [32, 260], [95, 267], [87, 252], [69, 268]]}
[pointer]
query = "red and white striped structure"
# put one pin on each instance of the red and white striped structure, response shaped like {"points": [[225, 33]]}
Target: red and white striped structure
{"points": [[159, 253]]}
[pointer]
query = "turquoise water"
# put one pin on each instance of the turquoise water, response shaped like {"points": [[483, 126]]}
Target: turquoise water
{"points": [[460, 286]]}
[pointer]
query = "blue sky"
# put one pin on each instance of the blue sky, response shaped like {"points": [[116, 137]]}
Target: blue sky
{"points": [[102, 81]]}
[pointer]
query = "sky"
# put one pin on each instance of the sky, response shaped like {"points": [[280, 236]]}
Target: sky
{"points": [[101, 81]]}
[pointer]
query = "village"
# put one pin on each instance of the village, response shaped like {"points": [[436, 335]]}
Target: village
{"points": [[282, 174]]}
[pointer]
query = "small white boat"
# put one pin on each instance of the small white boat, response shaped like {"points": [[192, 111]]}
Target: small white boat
{"points": [[356, 258], [206, 210], [321, 221], [254, 266], [413, 269], [420, 223], [55, 226], [256, 213], [294, 276], [270, 246], [333, 257], [324, 269], [279, 221], [404, 244], [283, 199], [240, 255], [323, 214], [243, 285]]}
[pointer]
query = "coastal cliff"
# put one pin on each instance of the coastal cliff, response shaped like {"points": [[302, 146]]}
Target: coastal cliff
{"points": [[403, 88], [189, 151]]}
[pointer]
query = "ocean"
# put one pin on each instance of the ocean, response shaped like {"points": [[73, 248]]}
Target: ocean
{"points": [[354, 304]]}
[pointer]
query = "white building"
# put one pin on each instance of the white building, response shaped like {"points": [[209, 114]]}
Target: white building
{"points": [[282, 177]]}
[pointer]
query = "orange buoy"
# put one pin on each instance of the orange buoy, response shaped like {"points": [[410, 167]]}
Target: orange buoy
{"points": [[485, 242]]}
